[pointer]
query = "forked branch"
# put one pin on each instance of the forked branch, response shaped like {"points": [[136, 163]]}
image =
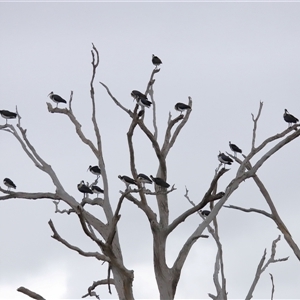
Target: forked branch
{"points": [[57, 237], [262, 267]]}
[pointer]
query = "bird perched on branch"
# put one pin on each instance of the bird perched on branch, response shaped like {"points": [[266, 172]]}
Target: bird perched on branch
{"points": [[83, 188], [224, 159], [95, 170], [141, 99], [290, 119], [204, 213], [56, 98], [182, 107], [9, 183], [97, 190], [234, 148], [6, 114], [144, 179], [156, 61], [160, 182], [127, 180]]}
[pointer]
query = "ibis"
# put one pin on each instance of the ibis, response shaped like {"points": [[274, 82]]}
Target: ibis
{"points": [[9, 183], [83, 188], [95, 170], [97, 190], [141, 99], [160, 182], [182, 107], [290, 119], [127, 180], [56, 98], [224, 159], [6, 114], [137, 94], [143, 103], [204, 213], [144, 179], [235, 148], [156, 61]]}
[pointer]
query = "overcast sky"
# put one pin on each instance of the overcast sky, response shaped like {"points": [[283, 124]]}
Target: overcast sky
{"points": [[227, 57]]}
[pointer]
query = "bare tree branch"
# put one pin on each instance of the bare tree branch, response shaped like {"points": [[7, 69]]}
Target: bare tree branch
{"points": [[30, 293], [274, 216], [96, 201], [57, 237], [151, 93], [287, 139], [28, 196], [255, 120], [13, 131], [207, 198], [115, 220], [77, 125], [115, 100], [64, 211], [144, 207], [170, 144], [250, 210], [97, 283], [262, 267], [219, 264], [95, 63], [273, 287]]}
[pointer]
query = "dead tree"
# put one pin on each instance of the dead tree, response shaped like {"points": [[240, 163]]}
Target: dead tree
{"points": [[105, 233]]}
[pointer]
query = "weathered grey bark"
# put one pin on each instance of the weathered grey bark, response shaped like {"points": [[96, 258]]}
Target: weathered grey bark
{"points": [[262, 267], [30, 293]]}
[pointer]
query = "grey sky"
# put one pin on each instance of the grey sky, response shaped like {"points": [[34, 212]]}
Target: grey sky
{"points": [[227, 57]]}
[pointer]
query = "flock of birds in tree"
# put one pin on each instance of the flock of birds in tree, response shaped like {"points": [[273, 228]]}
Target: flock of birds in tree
{"points": [[85, 188], [143, 179], [226, 160]]}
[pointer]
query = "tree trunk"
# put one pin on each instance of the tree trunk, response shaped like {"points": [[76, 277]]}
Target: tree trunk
{"points": [[163, 274]]}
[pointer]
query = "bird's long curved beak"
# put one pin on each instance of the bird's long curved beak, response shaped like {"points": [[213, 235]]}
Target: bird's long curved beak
{"points": [[49, 94]]}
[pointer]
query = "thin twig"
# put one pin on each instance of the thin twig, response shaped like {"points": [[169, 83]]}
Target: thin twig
{"points": [[273, 286], [255, 120]]}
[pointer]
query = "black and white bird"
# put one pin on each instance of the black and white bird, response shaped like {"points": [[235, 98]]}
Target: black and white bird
{"points": [[9, 183], [6, 114], [160, 182], [224, 159], [127, 180], [97, 190], [95, 170], [182, 107], [156, 61], [141, 99], [56, 98], [137, 94], [83, 188], [235, 148], [290, 119], [143, 103], [144, 179], [204, 213]]}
